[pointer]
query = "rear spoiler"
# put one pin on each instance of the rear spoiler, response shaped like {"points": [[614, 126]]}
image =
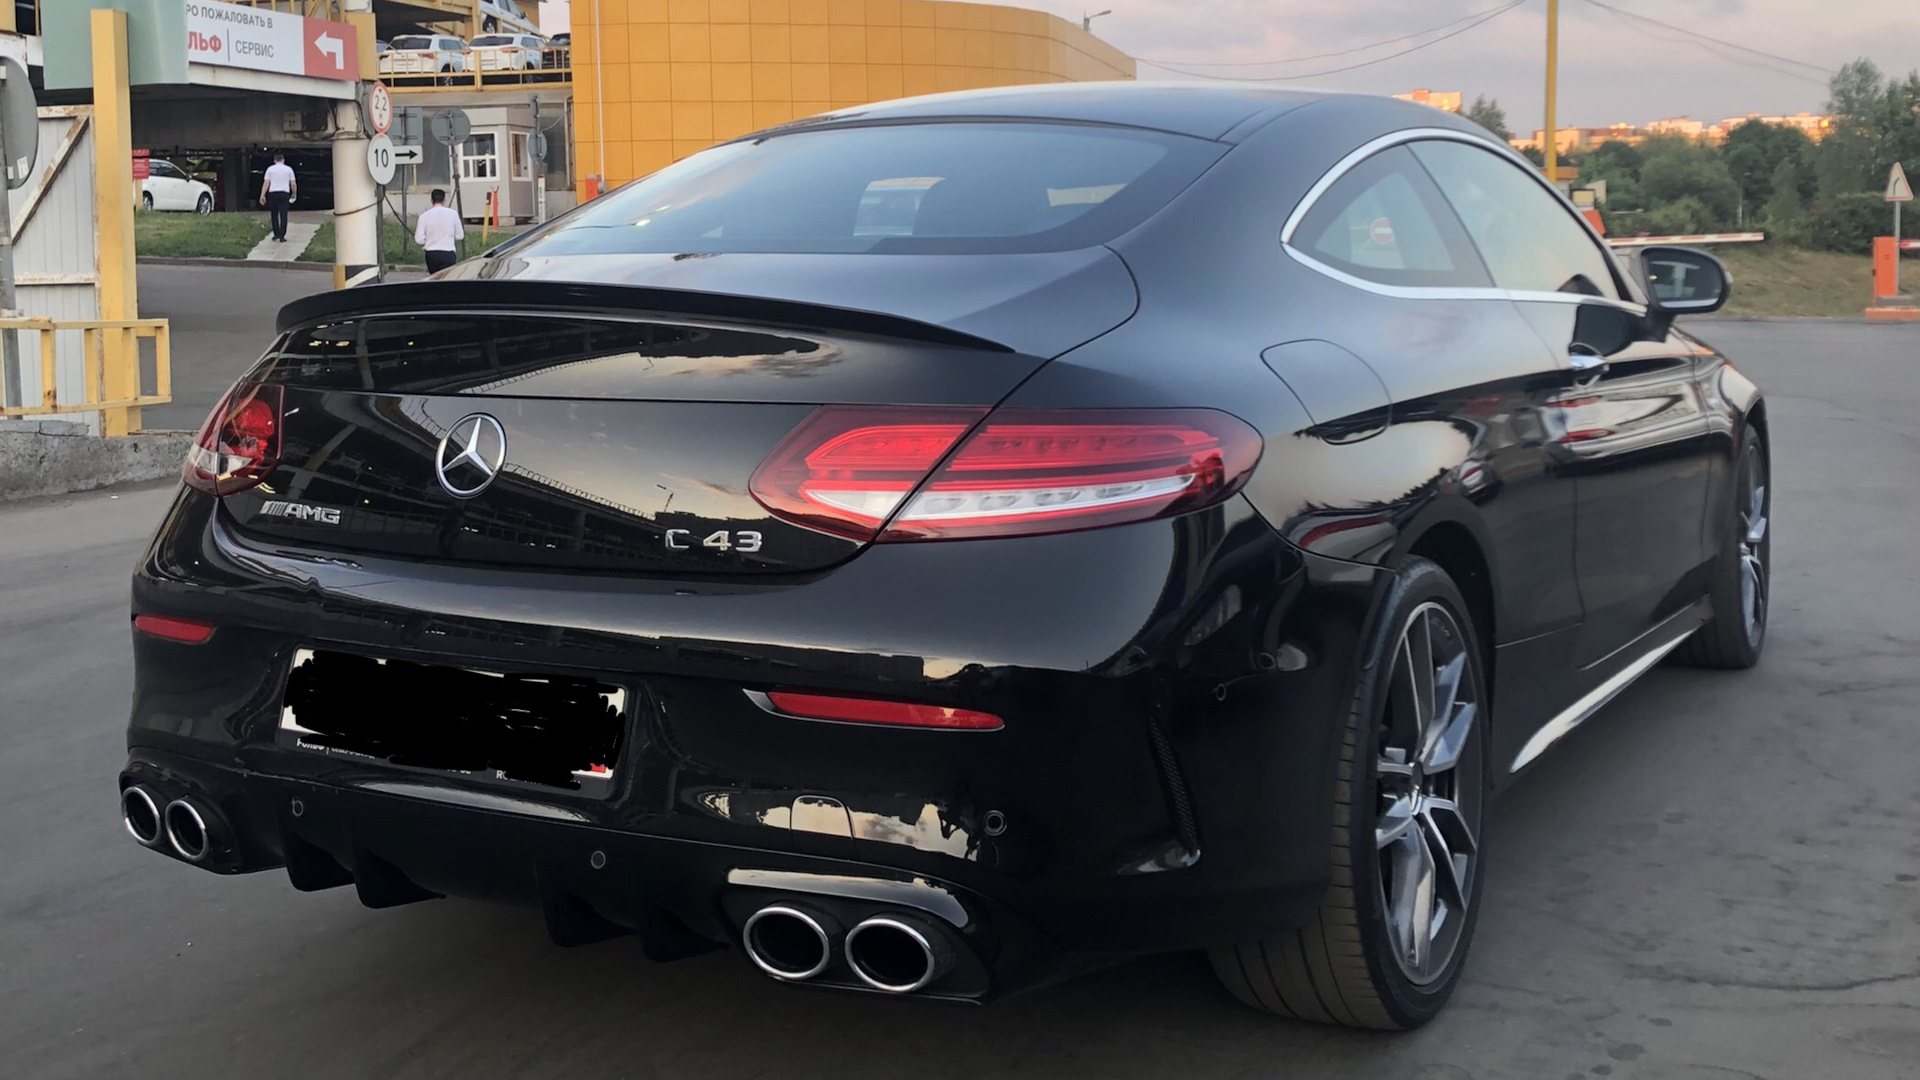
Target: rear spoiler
{"points": [[626, 301]]}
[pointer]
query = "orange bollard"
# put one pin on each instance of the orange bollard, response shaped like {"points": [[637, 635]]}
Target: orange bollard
{"points": [[1887, 305]]}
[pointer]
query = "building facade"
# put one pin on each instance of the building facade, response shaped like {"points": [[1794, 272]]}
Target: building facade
{"points": [[657, 80]]}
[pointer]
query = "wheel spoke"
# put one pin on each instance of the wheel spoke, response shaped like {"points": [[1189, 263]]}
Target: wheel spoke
{"points": [[1756, 516], [1418, 651], [1451, 738], [1450, 867], [1417, 899], [1394, 822]]}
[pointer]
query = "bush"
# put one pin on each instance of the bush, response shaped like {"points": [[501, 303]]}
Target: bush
{"points": [[1847, 222], [1687, 214]]}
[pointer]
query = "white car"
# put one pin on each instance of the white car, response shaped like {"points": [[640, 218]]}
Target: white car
{"points": [[504, 17], [168, 188], [508, 52], [424, 54]]}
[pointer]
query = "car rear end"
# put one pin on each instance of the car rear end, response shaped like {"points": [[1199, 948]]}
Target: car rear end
{"points": [[412, 55], [715, 618], [501, 52]]}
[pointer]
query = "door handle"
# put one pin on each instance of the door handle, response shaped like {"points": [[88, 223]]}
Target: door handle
{"points": [[1587, 364]]}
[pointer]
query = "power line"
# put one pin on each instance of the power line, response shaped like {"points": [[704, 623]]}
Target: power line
{"points": [[1708, 38], [1708, 48], [1370, 46], [1480, 20]]}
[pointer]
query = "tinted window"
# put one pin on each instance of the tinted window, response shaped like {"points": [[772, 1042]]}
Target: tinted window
{"points": [[1529, 239], [954, 187], [486, 40], [164, 169], [1383, 221], [405, 43]]}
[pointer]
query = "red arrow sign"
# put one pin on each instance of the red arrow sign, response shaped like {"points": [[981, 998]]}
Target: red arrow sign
{"points": [[332, 51]]}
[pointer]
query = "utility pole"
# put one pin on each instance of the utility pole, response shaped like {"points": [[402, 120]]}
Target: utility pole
{"points": [[1551, 150]]}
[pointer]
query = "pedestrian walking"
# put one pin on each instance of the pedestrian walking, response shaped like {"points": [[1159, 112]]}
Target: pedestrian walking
{"points": [[277, 192], [438, 230]]}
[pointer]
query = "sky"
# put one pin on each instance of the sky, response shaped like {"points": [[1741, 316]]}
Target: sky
{"points": [[1611, 68]]}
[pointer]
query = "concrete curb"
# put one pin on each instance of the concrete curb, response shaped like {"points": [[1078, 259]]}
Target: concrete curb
{"points": [[284, 264], [51, 458]]}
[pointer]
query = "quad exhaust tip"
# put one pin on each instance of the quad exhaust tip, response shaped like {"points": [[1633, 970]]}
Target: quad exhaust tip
{"points": [[141, 815], [187, 830], [897, 954], [789, 942]]}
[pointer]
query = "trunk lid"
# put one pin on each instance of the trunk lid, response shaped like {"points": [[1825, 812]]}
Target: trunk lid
{"points": [[587, 427]]}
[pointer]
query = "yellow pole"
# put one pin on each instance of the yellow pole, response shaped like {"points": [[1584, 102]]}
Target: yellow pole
{"points": [[1551, 150], [113, 207]]}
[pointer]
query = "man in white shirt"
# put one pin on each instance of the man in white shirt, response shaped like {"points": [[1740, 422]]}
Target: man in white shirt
{"points": [[277, 192], [438, 230]]}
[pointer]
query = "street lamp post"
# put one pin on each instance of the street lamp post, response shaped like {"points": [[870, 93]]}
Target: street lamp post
{"points": [[1086, 21]]}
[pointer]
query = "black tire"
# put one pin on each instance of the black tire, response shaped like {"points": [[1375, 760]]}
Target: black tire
{"points": [[204, 206], [1734, 637], [146, 200], [1343, 966]]}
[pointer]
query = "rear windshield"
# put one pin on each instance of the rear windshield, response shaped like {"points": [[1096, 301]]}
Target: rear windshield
{"points": [[407, 43], [891, 189], [492, 39]]}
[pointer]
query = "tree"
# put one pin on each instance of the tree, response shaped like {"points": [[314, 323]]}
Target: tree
{"points": [[1617, 160], [1756, 152], [1487, 112], [1786, 211], [1876, 122], [1689, 170]]}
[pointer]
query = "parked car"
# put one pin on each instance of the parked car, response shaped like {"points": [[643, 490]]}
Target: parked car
{"points": [[167, 187], [425, 54], [1164, 523], [505, 16], [559, 52], [507, 52]]}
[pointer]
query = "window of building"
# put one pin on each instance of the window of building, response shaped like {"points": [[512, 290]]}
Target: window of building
{"points": [[1384, 222], [1529, 239], [479, 158]]}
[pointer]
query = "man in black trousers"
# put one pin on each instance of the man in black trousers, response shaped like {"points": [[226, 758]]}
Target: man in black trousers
{"points": [[277, 192]]}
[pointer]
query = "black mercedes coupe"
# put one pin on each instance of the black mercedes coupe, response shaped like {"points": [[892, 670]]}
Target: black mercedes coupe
{"points": [[946, 545]]}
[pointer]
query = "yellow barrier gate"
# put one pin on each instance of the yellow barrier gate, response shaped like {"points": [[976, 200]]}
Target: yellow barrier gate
{"points": [[95, 337]]}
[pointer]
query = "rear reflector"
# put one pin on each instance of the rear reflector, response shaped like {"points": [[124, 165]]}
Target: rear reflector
{"points": [[856, 470], [240, 442], [188, 631], [870, 711]]}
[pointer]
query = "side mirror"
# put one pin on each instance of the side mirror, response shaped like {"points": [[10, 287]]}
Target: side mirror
{"points": [[1680, 281]]}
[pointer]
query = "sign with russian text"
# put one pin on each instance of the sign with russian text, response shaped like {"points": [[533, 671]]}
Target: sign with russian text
{"points": [[229, 35]]}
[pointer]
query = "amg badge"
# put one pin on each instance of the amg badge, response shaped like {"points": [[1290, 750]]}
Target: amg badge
{"points": [[325, 515]]}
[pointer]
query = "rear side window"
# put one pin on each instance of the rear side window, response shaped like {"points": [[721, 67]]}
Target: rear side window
{"points": [[1384, 222], [1530, 241], [411, 43], [898, 188]]}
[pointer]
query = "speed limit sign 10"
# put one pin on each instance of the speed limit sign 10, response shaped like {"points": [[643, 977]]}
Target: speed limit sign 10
{"points": [[380, 159], [379, 107]]}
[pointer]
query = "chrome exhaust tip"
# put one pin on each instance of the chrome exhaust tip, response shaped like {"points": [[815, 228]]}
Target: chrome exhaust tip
{"points": [[140, 813], [188, 831], [788, 942], [897, 954]]}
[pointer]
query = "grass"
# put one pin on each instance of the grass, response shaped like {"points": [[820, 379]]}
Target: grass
{"points": [[397, 244], [195, 236], [1769, 279]]}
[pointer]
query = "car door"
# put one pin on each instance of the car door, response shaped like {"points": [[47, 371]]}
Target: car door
{"points": [[1464, 384], [167, 185], [1631, 430]]}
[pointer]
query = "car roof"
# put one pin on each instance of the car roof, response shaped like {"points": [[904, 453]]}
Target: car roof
{"points": [[1204, 110]]}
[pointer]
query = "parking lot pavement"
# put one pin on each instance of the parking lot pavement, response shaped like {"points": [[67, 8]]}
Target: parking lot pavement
{"points": [[1714, 879]]}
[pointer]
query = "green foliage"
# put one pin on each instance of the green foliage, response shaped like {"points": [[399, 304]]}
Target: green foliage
{"points": [[1695, 173], [1686, 214], [1488, 114], [1755, 153], [1785, 216], [1847, 222]]}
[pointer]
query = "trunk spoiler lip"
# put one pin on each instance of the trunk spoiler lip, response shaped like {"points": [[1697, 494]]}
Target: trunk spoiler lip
{"points": [[624, 301]]}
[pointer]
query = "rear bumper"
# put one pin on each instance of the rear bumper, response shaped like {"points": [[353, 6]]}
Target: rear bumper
{"points": [[1170, 690]]}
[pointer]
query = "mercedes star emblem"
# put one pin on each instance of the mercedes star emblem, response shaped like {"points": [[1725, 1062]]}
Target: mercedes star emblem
{"points": [[470, 455]]}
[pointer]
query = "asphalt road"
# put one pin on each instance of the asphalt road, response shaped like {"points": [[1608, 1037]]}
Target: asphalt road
{"points": [[1715, 879]]}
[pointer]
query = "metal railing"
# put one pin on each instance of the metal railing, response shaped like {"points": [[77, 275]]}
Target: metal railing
{"points": [[559, 73], [93, 354]]}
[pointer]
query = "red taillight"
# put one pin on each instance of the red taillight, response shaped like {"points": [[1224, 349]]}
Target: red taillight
{"points": [[188, 631], [850, 469], [240, 442], [873, 711]]}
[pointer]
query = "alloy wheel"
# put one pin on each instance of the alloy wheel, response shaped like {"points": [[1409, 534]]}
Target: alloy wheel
{"points": [[1429, 780], [1753, 548]]}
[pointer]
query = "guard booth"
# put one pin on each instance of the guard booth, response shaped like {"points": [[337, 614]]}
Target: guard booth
{"points": [[497, 157]]}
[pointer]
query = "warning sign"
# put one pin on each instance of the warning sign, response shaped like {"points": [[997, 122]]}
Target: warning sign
{"points": [[1898, 190]]}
